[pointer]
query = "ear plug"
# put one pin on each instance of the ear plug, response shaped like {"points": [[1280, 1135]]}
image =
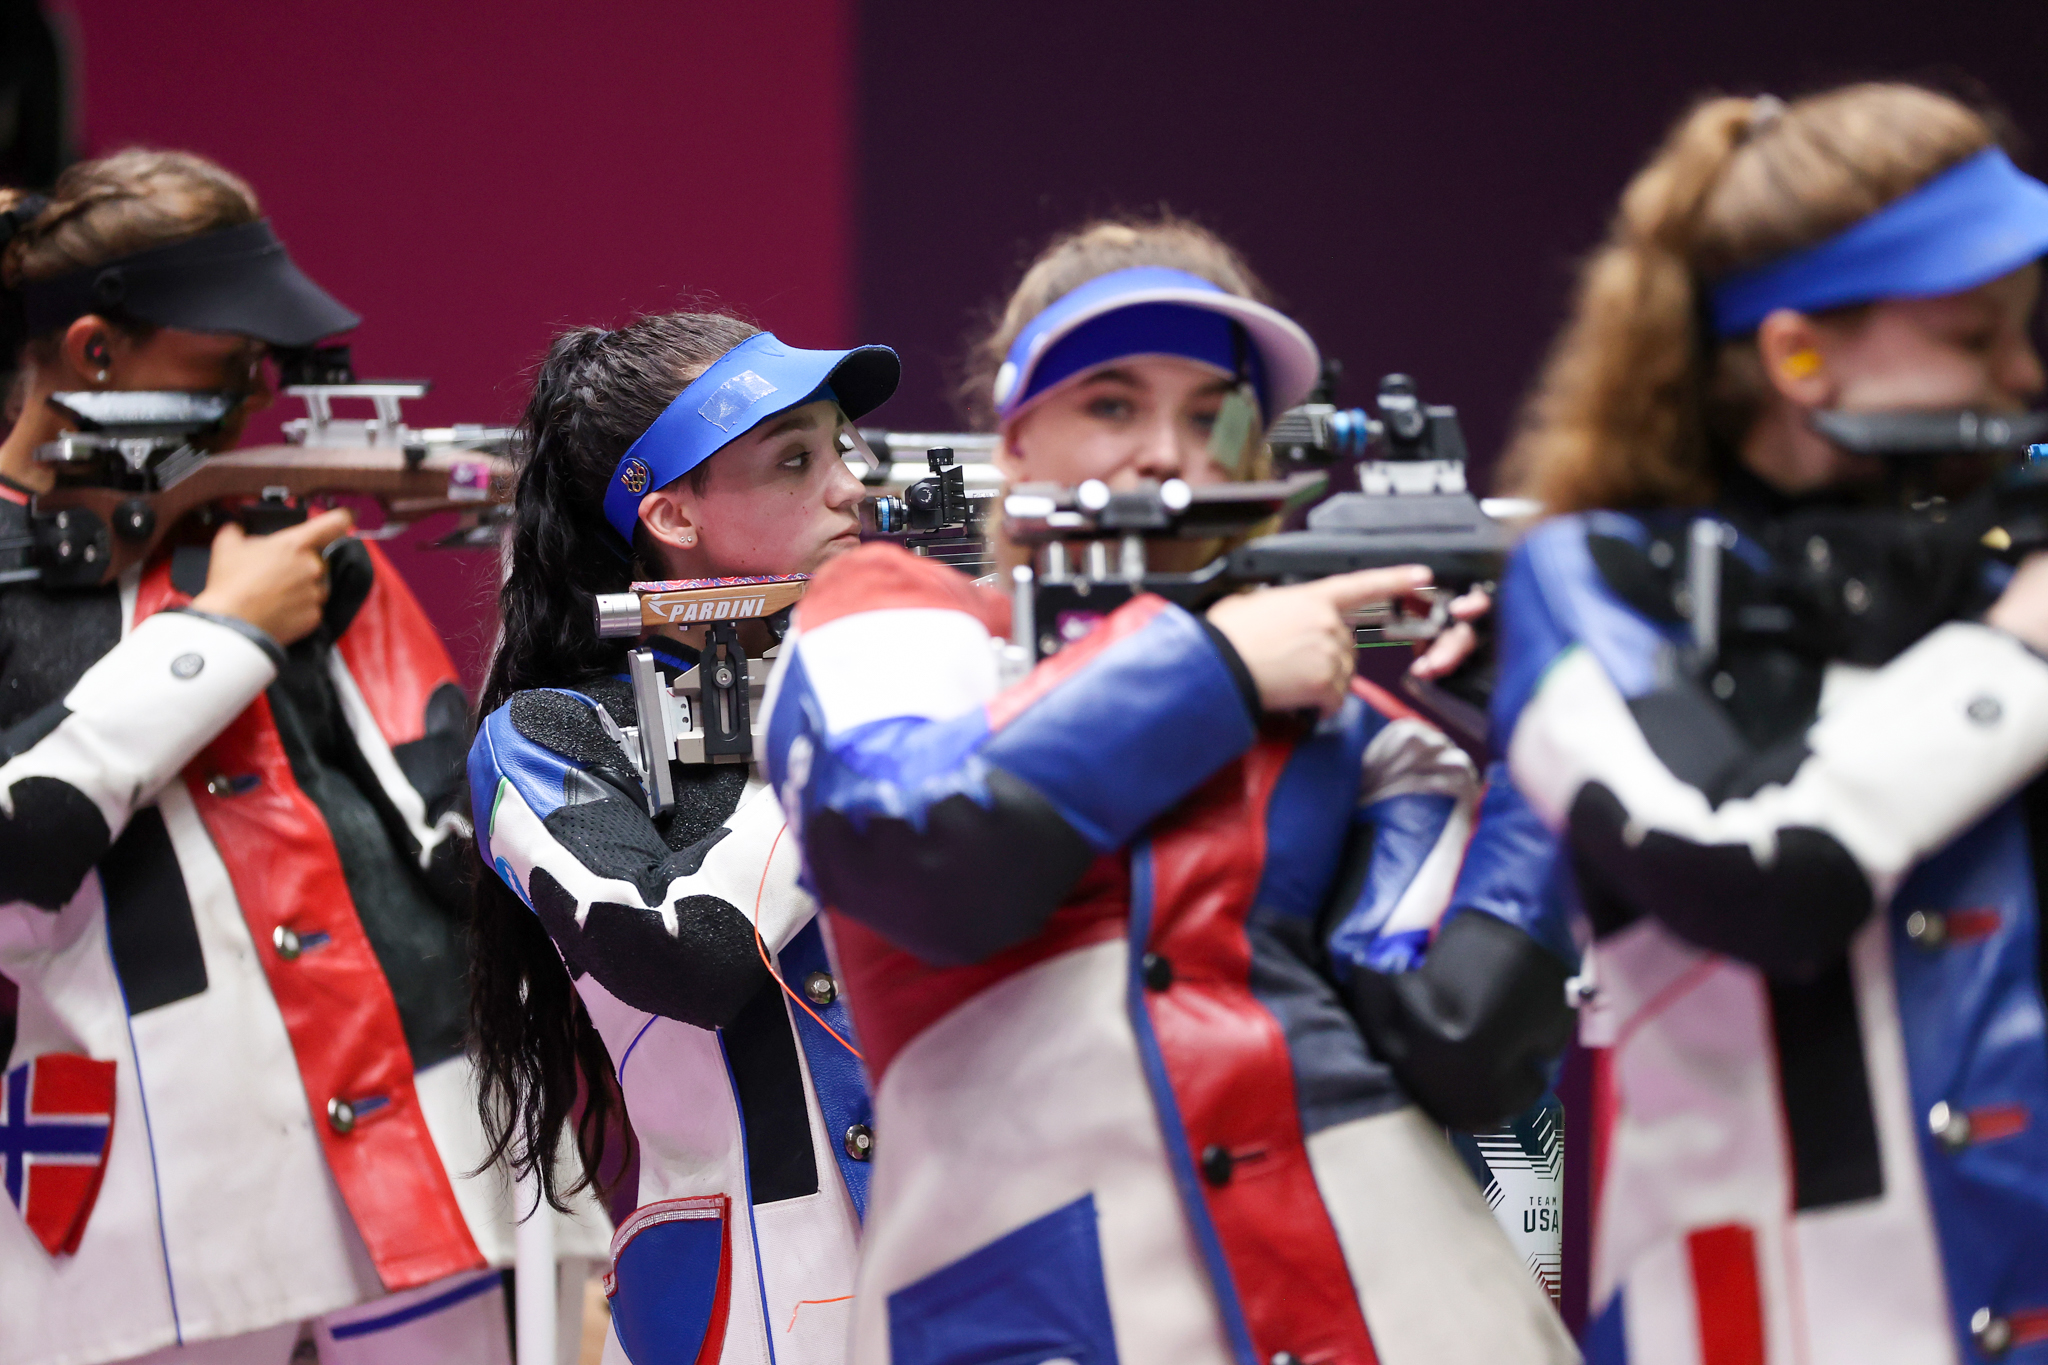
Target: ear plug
{"points": [[1804, 363]]}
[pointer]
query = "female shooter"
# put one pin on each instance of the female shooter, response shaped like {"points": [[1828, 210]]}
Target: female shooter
{"points": [[656, 961], [1804, 825], [229, 896], [1092, 924]]}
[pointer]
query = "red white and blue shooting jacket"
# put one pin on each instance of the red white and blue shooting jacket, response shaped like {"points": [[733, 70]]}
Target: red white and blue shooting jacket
{"points": [[1823, 1119], [1103, 932]]}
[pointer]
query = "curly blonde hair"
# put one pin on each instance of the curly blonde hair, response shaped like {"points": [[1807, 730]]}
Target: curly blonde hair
{"points": [[1637, 406]]}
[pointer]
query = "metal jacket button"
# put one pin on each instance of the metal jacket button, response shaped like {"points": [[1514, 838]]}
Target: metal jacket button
{"points": [[860, 1142], [1927, 928], [1949, 1125], [821, 988], [286, 941], [1157, 972], [1992, 1333], [1217, 1164], [341, 1115]]}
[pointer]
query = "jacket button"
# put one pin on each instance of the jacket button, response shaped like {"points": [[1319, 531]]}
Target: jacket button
{"points": [[1217, 1164], [1949, 1125], [860, 1142], [1992, 1333], [1927, 928], [1157, 972], [341, 1115], [1286, 1358], [821, 988], [286, 941]]}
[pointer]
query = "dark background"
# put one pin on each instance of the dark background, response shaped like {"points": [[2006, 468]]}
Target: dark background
{"points": [[1414, 182]]}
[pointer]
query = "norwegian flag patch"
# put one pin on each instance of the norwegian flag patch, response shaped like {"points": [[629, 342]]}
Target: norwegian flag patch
{"points": [[56, 1124]]}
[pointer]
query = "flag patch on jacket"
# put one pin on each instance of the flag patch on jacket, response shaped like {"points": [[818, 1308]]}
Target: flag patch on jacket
{"points": [[56, 1124]]}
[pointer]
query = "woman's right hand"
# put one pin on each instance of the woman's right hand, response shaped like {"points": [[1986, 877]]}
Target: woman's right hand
{"points": [[2022, 609], [1296, 641], [278, 582]]}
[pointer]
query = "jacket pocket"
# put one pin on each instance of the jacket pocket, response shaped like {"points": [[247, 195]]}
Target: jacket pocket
{"points": [[670, 1284], [1034, 1296]]}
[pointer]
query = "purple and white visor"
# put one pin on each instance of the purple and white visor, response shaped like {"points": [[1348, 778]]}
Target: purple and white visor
{"points": [[1153, 310]]}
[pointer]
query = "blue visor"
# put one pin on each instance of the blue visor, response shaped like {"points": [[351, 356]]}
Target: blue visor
{"points": [[1967, 226], [1152, 310], [746, 386], [1151, 329]]}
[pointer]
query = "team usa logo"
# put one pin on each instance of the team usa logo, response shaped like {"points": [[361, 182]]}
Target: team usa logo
{"points": [[56, 1125], [633, 474]]}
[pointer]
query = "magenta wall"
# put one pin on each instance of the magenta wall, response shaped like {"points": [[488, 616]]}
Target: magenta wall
{"points": [[470, 178]]}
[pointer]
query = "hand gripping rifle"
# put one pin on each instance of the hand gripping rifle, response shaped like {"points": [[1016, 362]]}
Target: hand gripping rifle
{"points": [[136, 469]]}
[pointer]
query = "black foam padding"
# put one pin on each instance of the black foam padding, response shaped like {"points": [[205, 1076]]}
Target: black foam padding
{"points": [[566, 725], [613, 837], [1471, 1032], [703, 974], [1793, 918], [706, 796], [760, 1050], [150, 929], [51, 841], [1825, 1085], [907, 881]]}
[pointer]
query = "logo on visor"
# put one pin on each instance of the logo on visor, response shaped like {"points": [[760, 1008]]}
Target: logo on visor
{"points": [[633, 474], [734, 397]]}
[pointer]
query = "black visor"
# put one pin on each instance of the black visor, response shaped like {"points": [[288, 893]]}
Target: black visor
{"points": [[237, 280]]}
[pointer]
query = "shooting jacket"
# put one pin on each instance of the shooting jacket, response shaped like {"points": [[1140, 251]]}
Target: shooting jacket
{"points": [[752, 1118], [226, 919], [1101, 931], [1814, 891]]}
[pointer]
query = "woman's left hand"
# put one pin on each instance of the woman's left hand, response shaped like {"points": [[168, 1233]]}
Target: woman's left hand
{"points": [[1450, 649]]}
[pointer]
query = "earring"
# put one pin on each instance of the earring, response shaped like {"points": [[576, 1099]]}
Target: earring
{"points": [[1802, 364], [688, 538], [101, 376]]}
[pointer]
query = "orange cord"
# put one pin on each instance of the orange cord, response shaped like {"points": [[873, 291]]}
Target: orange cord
{"points": [[801, 1302], [762, 948]]}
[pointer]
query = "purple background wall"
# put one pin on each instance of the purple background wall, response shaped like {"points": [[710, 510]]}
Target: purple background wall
{"points": [[471, 178], [1414, 181]]}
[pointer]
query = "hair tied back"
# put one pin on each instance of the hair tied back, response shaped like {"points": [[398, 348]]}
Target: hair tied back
{"points": [[19, 215], [1764, 113]]}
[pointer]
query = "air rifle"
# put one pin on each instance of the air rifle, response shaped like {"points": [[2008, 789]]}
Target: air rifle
{"points": [[136, 468]]}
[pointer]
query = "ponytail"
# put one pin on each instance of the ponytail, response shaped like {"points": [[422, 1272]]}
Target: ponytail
{"points": [[539, 1058], [1637, 406]]}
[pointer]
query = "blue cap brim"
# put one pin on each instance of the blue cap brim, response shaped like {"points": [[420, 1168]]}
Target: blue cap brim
{"points": [[1969, 225], [743, 388]]}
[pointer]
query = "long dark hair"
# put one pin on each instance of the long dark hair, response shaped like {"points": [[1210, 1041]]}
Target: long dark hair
{"points": [[537, 1053]]}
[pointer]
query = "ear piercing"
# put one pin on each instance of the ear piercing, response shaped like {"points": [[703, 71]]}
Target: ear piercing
{"points": [[687, 538], [96, 354], [1804, 363]]}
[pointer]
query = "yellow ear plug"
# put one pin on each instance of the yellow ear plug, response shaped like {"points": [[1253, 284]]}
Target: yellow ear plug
{"points": [[1802, 364]]}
